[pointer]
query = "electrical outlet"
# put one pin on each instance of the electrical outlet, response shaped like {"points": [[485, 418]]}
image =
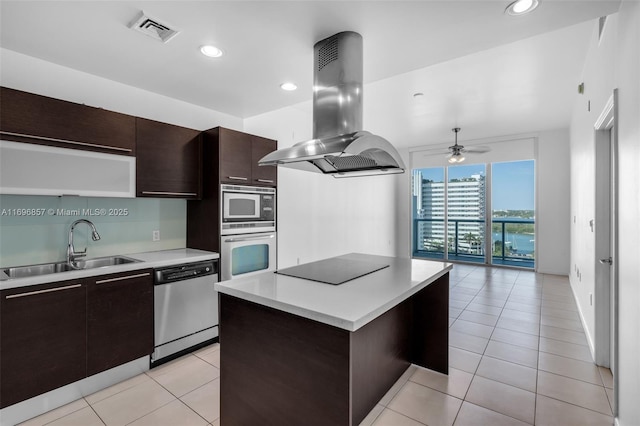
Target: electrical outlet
{"points": [[591, 299], [298, 260], [156, 235]]}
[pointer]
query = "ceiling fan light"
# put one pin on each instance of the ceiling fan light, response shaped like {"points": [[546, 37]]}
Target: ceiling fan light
{"points": [[456, 158]]}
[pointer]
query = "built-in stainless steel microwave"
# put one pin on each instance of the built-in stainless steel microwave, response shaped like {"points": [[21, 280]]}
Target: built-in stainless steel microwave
{"points": [[247, 209]]}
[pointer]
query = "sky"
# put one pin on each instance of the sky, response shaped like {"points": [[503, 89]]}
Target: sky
{"points": [[513, 182]]}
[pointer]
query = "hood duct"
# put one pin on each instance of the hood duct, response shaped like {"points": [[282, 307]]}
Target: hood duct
{"points": [[339, 146]]}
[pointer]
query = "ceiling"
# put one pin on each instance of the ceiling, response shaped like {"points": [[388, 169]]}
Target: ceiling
{"points": [[472, 61]]}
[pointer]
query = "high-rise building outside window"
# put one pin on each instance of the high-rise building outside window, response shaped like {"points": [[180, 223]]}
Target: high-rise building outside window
{"points": [[450, 211]]}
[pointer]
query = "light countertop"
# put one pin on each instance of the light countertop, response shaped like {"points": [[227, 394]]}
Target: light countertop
{"points": [[348, 306], [151, 259]]}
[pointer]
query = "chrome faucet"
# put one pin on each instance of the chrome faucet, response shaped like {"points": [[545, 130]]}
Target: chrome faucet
{"points": [[72, 255]]}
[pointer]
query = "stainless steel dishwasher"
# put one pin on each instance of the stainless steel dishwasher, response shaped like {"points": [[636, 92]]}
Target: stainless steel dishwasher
{"points": [[185, 309]]}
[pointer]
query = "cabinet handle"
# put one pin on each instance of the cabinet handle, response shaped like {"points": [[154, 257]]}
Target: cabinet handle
{"points": [[169, 193], [237, 178], [44, 138], [32, 293], [108, 280], [265, 180]]}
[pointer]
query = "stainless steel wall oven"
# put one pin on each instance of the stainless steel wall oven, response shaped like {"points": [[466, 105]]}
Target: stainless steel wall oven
{"points": [[246, 254]]}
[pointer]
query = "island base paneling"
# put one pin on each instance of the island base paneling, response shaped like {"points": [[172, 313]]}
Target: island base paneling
{"points": [[430, 333], [380, 353], [282, 369]]}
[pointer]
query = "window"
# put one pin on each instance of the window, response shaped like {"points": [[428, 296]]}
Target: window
{"points": [[455, 215], [513, 214]]}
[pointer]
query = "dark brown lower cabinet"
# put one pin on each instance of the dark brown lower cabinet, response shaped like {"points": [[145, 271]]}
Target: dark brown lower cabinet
{"points": [[43, 336], [119, 319], [55, 334]]}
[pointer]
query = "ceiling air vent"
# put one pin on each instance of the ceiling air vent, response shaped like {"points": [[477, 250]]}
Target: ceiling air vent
{"points": [[152, 28]]}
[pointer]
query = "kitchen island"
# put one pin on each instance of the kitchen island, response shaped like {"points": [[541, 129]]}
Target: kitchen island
{"points": [[296, 351]]}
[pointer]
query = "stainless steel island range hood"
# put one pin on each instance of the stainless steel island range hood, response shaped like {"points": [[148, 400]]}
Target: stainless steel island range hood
{"points": [[339, 146]]}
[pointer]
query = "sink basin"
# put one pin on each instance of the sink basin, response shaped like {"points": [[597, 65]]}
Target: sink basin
{"points": [[104, 261], [55, 267], [33, 270]]}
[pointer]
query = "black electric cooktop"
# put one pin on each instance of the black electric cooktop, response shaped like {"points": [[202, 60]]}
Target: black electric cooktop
{"points": [[333, 271]]}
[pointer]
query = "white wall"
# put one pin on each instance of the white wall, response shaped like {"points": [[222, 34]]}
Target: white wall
{"points": [[320, 216], [22, 72], [552, 202], [403, 209], [627, 79], [598, 82], [611, 63]]}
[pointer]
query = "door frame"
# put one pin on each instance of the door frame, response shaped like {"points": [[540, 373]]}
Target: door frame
{"points": [[606, 240]]}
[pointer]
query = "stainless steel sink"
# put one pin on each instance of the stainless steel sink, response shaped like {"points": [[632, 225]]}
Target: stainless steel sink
{"points": [[101, 262], [56, 267], [33, 270]]}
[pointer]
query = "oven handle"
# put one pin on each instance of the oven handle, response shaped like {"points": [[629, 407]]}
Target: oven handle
{"points": [[261, 237]]}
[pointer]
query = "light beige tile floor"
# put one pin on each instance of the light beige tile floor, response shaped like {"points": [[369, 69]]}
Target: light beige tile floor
{"points": [[517, 354]]}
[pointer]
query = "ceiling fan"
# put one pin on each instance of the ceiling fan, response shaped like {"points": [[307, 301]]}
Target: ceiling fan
{"points": [[456, 152]]}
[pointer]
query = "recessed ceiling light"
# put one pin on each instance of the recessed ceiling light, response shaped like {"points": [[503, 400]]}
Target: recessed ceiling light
{"points": [[520, 7], [211, 51], [288, 87]]}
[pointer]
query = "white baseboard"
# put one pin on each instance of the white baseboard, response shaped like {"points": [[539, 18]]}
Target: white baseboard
{"points": [[592, 347]]}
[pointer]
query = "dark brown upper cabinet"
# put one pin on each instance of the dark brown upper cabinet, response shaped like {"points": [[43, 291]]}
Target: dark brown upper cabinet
{"points": [[235, 156], [239, 156], [43, 335], [228, 157], [263, 175], [30, 118], [119, 319], [168, 160]]}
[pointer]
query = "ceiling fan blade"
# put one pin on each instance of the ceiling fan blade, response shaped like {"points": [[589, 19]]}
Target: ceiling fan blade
{"points": [[437, 152], [477, 149]]}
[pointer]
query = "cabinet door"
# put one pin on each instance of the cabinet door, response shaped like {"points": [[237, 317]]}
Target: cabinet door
{"points": [[263, 175], [167, 160], [235, 157], [119, 319], [29, 169], [26, 117], [42, 339]]}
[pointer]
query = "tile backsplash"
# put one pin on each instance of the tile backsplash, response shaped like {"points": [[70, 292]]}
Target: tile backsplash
{"points": [[35, 229]]}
